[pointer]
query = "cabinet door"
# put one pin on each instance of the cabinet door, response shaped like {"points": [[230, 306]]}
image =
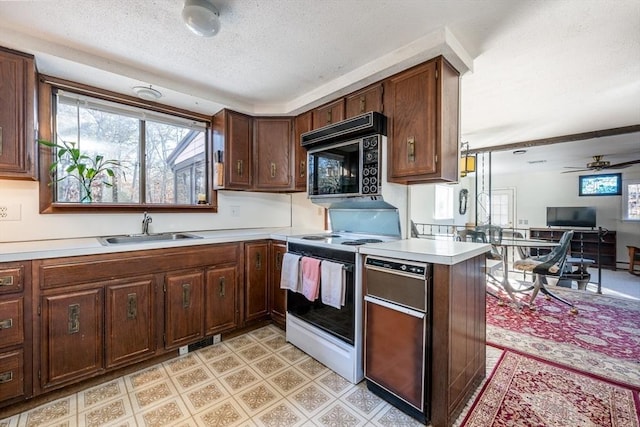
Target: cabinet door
{"points": [[129, 321], [17, 126], [303, 123], [183, 308], [71, 336], [256, 281], [238, 147], [410, 100], [273, 150], [368, 99], [277, 297], [328, 113], [220, 300]]}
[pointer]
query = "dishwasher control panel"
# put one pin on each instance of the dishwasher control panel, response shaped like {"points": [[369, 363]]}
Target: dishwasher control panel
{"points": [[398, 265]]}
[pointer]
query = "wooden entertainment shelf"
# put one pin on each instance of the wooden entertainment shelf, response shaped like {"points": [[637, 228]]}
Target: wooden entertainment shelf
{"points": [[584, 244]]}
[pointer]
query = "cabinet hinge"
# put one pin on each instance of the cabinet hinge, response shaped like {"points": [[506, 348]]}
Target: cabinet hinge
{"points": [[39, 309], [39, 374], [436, 159]]}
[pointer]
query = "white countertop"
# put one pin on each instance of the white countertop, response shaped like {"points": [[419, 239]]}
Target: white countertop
{"points": [[39, 249], [433, 251], [445, 252]]}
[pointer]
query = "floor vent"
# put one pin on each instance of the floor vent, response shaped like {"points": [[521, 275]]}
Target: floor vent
{"points": [[201, 344]]}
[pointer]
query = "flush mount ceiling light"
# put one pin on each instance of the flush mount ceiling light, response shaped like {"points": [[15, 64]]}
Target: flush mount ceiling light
{"points": [[147, 93], [201, 17]]}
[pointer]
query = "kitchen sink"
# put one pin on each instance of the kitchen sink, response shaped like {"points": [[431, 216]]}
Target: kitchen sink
{"points": [[144, 238]]}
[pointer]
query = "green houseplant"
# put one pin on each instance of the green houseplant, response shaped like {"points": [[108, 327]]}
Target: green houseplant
{"points": [[84, 168]]}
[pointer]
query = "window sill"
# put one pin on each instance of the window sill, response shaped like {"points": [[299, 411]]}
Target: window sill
{"points": [[71, 208]]}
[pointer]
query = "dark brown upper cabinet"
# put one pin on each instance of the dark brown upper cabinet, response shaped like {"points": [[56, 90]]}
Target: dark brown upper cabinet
{"points": [[17, 115]]}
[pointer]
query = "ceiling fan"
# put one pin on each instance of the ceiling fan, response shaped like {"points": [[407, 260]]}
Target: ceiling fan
{"points": [[599, 164]]}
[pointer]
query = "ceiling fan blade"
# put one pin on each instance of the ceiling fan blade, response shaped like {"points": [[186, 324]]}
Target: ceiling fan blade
{"points": [[577, 170], [623, 164]]}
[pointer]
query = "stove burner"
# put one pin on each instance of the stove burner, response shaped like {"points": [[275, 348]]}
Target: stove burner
{"points": [[320, 236], [360, 242]]}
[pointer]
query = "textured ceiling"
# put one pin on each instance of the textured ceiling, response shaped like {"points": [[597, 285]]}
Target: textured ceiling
{"points": [[539, 69]]}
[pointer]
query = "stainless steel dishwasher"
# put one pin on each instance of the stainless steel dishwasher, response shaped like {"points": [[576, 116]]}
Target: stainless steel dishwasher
{"points": [[397, 333]]}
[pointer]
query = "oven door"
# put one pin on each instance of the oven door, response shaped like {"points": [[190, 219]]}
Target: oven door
{"points": [[335, 170], [337, 322]]}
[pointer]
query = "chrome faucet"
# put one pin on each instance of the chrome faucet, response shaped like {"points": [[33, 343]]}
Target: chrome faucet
{"points": [[146, 220]]}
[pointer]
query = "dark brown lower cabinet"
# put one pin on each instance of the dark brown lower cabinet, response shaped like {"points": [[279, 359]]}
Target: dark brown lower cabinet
{"points": [[277, 296], [11, 374], [129, 321], [184, 300], [256, 294], [72, 344], [221, 298]]}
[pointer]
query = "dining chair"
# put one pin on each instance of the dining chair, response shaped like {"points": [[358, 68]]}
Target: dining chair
{"points": [[551, 264]]}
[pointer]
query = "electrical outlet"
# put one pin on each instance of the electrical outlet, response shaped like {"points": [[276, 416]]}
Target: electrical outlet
{"points": [[10, 212], [217, 339], [235, 210], [183, 350]]}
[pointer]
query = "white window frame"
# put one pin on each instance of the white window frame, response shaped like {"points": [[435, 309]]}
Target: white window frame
{"points": [[443, 202], [625, 199]]}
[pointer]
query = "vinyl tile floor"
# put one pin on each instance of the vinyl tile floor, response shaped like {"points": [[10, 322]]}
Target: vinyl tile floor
{"points": [[255, 379]]}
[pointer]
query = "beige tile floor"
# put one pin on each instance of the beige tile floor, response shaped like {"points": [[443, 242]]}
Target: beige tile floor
{"points": [[255, 379]]}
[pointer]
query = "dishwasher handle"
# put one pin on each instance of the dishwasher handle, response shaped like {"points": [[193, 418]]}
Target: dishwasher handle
{"points": [[395, 307]]}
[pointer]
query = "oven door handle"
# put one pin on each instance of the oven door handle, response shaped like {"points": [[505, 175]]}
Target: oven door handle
{"points": [[395, 307]]}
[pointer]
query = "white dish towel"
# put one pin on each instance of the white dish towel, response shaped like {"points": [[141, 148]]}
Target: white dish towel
{"points": [[332, 284], [290, 273]]}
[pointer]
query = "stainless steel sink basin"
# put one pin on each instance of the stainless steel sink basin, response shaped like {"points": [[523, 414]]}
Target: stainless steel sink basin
{"points": [[144, 238]]}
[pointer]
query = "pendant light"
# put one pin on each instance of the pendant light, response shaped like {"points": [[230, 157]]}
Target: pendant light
{"points": [[201, 17], [467, 162]]}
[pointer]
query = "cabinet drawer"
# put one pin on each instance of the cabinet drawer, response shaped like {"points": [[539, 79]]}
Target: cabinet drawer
{"points": [[11, 375], [11, 326], [11, 279]]}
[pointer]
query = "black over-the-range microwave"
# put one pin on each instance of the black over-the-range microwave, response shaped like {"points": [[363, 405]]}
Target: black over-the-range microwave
{"points": [[344, 159]]}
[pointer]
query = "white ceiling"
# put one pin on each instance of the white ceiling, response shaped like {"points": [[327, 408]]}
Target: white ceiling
{"points": [[531, 69]]}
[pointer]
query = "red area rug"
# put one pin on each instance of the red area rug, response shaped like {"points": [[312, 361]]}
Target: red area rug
{"points": [[524, 391], [603, 338]]}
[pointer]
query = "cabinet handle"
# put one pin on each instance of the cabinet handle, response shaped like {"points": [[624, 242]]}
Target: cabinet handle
{"points": [[132, 306], [329, 116], [363, 103], [6, 280], [411, 149], [6, 324], [278, 261], [6, 377], [303, 168], [186, 295], [239, 167], [221, 285], [258, 261], [273, 170], [74, 319]]}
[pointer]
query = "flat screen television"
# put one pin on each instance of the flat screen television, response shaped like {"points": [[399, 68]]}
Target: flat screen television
{"points": [[571, 216], [609, 184]]}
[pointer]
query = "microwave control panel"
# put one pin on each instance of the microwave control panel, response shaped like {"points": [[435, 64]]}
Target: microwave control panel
{"points": [[370, 165]]}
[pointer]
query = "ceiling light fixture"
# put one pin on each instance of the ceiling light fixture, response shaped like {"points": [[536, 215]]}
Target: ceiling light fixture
{"points": [[201, 17], [147, 93]]}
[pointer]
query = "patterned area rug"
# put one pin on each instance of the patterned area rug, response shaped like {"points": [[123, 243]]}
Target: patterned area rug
{"points": [[524, 391], [602, 339]]}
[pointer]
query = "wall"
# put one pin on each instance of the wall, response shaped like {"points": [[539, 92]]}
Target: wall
{"points": [[254, 210], [533, 193]]}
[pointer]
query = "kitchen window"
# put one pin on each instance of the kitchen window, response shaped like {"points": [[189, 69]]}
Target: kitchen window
{"points": [[163, 158]]}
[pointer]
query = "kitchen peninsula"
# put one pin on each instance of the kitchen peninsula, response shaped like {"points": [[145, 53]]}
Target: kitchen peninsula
{"points": [[64, 285]]}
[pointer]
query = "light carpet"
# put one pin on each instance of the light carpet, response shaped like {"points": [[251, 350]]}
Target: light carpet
{"points": [[525, 391]]}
